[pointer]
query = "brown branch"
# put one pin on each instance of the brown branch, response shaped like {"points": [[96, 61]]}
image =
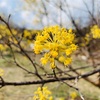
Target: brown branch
{"points": [[17, 64], [49, 80], [86, 78], [91, 13], [74, 69]]}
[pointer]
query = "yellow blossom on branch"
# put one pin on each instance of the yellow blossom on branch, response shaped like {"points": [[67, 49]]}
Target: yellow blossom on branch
{"points": [[57, 43], [42, 94], [95, 30], [27, 34]]}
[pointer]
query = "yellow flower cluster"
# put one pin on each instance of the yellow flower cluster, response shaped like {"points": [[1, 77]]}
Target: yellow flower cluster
{"points": [[85, 40], [57, 43], [1, 72], [4, 31], [30, 33], [95, 30], [42, 94], [27, 34], [5, 34]]}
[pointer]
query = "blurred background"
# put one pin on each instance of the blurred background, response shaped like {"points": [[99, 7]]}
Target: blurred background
{"points": [[35, 14]]}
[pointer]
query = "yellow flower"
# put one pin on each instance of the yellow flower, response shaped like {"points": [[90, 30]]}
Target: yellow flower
{"points": [[27, 34], [38, 48], [2, 48], [53, 53], [52, 65], [42, 94], [14, 31], [68, 51], [1, 72], [62, 59], [44, 61], [67, 61], [13, 40], [55, 41], [95, 30], [73, 95]]}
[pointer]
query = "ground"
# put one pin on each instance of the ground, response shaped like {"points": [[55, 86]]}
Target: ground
{"points": [[13, 73]]}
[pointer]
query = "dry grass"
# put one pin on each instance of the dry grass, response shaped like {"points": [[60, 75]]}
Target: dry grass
{"points": [[13, 73]]}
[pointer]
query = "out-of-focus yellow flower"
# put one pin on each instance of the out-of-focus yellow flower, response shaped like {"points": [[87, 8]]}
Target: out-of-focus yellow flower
{"points": [[58, 44], [27, 33], [73, 95], [14, 31], [67, 61], [87, 38], [42, 94], [4, 31], [13, 40], [95, 30], [2, 48], [1, 72]]}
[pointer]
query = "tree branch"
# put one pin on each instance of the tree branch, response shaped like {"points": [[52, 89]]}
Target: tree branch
{"points": [[49, 80]]}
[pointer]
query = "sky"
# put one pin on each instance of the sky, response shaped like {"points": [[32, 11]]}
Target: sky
{"points": [[19, 16], [25, 17]]}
